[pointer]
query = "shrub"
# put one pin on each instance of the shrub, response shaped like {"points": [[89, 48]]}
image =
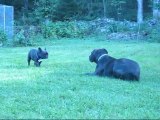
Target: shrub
{"points": [[3, 37], [19, 38], [151, 31], [25, 35], [64, 29], [154, 36]]}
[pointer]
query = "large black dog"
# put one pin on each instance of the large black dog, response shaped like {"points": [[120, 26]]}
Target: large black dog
{"points": [[36, 55], [119, 68]]}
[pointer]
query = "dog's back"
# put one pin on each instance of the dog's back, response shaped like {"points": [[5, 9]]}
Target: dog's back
{"points": [[126, 69], [32, 55]]}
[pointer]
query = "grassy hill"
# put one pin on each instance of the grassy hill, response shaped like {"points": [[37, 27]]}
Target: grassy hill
{"points": [[59, 88]]}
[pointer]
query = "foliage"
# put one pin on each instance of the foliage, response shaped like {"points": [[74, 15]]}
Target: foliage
{"points": [[64, 29], [49, 14], [24, 37], [118, 6], [61, 10], [66, 9], [150, 30], [154, 33], [19, 38], [45, 10], [3, 37]]}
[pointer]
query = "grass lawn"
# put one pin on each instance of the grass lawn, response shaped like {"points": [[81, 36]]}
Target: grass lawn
{"points": [[58, 89]]}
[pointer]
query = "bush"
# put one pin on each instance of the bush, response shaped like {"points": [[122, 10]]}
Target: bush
{"points": [[3, 37], [117, 26], [28, 36], [24, 38], [64, 29], [19, 39], [154, 36], [151, 31]]}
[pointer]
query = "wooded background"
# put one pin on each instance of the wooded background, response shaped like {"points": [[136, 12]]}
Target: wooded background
{"points": [[36, 11], [80, 18]]}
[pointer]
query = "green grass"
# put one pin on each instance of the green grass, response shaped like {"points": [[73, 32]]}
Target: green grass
{"points": [[58, 89]]}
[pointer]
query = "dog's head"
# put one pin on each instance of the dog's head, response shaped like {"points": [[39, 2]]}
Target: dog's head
{"points": [[96, 53], [43, 54], [38, 64]]}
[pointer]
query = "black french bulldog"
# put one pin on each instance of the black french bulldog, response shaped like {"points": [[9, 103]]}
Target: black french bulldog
{"points": [[36, 55], [122, 68]]}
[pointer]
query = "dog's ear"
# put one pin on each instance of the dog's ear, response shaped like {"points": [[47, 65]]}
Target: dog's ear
{"points": [[93, 51], [39, 49], [105, 50]]}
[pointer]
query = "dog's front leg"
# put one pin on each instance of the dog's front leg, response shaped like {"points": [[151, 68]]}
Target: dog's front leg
{"points": [[98, 71]]}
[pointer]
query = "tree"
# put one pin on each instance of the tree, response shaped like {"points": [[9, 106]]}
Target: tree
{"points": [[104, 8], [44, 10], [26, 5], [156, 9], [25, 11], [118, 5], [36, 11], [66, 10], [140, 11]]}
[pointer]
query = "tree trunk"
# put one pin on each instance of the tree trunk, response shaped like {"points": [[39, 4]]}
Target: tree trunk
{"points": [[90, 5], [156, 10], [26, 5], [140, 11], [104, 8], [25, 10]]}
